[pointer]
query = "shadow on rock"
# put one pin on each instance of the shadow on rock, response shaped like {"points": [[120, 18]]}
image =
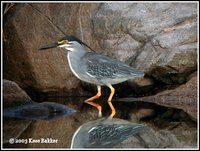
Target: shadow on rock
{"points": [[104, 133]]}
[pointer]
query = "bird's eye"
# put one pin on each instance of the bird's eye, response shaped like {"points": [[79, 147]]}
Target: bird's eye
{"points": [[62, 42]]}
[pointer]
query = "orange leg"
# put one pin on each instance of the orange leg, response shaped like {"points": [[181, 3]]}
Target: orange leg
{"points": [[89, 101], [110, 103]]}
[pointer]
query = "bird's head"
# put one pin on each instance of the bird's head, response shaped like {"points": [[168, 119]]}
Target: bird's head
{"points": [[70, 43]]}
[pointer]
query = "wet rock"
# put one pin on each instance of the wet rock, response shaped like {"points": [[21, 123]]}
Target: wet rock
{"points": [[38, 111], [183, 97], [19, 110], [104, 133]]}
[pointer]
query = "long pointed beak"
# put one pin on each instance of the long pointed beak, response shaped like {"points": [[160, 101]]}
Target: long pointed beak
{"points": [[53, 45]]}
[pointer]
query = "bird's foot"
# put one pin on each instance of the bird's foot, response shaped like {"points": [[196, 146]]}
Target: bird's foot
{"points": [[100, 114], [112, 114]]}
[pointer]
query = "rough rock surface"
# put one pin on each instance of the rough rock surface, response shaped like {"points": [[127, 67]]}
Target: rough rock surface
{"points": [[28, 28], [157, 38]]}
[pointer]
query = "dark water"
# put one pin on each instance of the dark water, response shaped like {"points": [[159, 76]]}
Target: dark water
{"points": [[74, 112], [38, 111]]}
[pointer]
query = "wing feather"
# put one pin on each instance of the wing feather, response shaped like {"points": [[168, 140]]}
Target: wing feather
{"points": [[101, 66]]}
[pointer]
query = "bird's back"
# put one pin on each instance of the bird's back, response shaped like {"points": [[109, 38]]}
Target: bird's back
{"points": [[108, 70]]}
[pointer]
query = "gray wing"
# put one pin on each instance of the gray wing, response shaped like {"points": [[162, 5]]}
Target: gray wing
{"points": [[109, 135], [100, 66]]}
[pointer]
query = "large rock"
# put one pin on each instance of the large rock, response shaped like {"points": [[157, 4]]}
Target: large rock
{"points": [[159, 39], [32, 25], [19, 111], [13, 96], [183, 97]]}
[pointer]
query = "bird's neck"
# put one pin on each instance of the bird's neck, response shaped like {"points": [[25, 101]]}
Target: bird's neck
{"points": [[74, 60], [76, 53]]}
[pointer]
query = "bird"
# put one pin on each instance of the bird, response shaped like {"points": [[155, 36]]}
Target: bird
{"points": [[95, 68], [105, 133]]}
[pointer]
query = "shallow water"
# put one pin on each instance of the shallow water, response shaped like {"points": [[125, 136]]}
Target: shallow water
{"points": [[63, 128]]}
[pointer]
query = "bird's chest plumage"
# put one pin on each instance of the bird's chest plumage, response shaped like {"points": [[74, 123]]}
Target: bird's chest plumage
{"points": [[76, 64], [79, 67]]}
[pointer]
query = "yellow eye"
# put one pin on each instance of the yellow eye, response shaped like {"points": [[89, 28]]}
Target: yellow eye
{"points": [[62, 42]]}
